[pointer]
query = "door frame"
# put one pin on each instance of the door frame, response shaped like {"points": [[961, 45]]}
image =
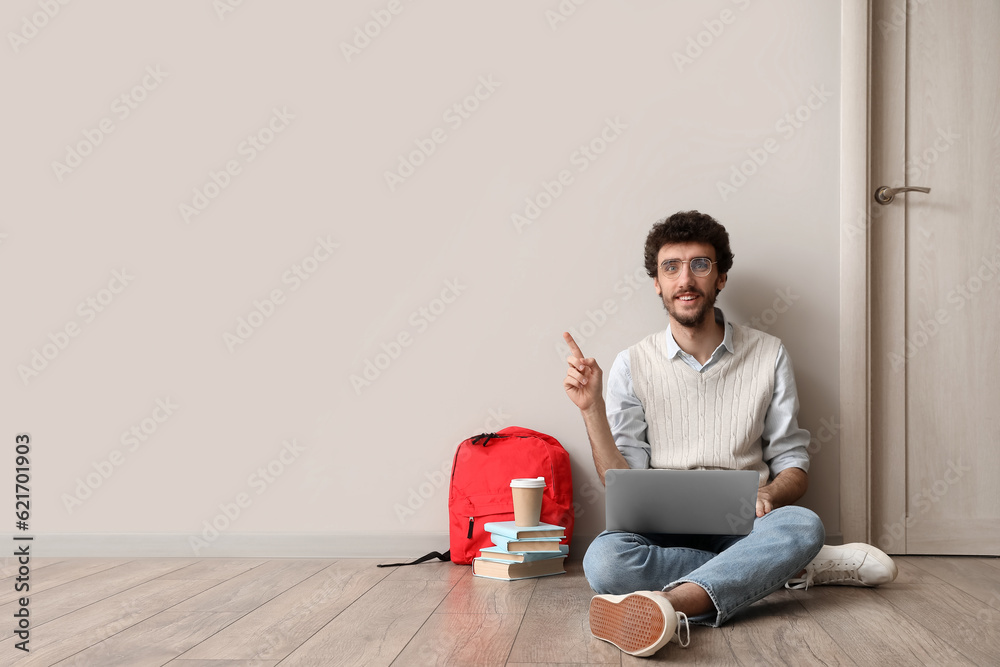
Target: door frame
{"points": [[855, 288]]}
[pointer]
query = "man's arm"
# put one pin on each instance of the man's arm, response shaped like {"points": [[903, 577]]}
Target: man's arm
{"points": [[785, 446], [789, 485], [583, 384]]}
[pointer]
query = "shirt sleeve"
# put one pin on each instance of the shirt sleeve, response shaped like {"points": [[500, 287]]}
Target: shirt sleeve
{"points": [[625, 414], [784, 444]]}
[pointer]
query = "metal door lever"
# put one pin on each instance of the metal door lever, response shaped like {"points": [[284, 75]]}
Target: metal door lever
{"points": [[884, 195]]}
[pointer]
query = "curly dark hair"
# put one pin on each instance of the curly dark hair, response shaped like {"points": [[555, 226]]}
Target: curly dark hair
{"points": [[688, 227]]}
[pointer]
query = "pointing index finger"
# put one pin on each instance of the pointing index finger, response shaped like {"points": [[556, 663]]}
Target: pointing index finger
{"points": [[574, 348]]}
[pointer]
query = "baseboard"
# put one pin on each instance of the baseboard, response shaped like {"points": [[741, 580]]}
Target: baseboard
{"points": [[389, 546], [235, 545]]}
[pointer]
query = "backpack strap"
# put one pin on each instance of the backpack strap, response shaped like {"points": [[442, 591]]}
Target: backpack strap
{"points": [[446, 556]]}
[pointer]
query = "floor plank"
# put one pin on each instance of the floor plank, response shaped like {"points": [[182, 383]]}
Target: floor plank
{"points": [[911, 573], [218, 569], [154, 641], [953, 616], [556, 625], [708, 647], [478, 595], [373, 630], [780, 620], [56, 574], [972, 575], [53, 602], [78, 630], [871, 631], [9, 565], [222, 663], [480, 640], [247, 591], [279, 626]]}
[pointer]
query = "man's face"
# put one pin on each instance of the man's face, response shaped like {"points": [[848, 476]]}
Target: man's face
{"points": [[689, 299]]}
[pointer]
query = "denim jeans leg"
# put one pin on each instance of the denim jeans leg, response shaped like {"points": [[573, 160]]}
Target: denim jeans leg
{"points": [[619, 562], [780, 545]]}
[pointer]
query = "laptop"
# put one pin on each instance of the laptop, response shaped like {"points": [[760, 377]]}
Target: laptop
{"points": [[681, 502]]}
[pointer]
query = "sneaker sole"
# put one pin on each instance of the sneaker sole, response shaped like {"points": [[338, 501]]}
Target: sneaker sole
{"points": [[635, 624]]}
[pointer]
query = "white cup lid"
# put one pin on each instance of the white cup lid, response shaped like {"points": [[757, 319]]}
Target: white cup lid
{"points": [[528, 483]]}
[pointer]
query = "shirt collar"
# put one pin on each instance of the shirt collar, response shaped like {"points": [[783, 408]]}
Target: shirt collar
{"points": [[727, 338]]}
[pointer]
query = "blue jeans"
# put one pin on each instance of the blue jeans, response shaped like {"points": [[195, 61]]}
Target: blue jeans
{"points": [[734, 570]]}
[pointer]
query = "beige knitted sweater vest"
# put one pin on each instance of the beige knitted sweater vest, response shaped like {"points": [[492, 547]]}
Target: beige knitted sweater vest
{"points": [[712, 419]]}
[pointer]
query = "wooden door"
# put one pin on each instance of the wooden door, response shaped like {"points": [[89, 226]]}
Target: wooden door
{"points": [[935, 277]]}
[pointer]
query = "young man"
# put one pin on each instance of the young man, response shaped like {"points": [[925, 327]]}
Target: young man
{"points": [[705, 393]]}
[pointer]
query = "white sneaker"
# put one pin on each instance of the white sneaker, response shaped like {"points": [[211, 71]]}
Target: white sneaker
{"points": [[639, 623], [853, 564]]}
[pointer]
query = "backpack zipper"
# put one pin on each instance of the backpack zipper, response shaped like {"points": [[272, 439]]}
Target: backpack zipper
{"points": [[486, 437], [472, 521]]}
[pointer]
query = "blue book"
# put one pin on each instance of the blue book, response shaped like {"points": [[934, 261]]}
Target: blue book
{"points": [[533, 545], [509, 529], [499, 553]]}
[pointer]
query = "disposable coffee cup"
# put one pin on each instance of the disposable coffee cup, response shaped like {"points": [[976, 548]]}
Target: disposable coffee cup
{"points": [[527, 500]]}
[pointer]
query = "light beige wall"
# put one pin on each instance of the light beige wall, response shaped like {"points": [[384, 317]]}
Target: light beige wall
{"points": [[672, 117]]}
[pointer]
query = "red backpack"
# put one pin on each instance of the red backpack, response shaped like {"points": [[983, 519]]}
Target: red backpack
{"points": [[480, 485]]}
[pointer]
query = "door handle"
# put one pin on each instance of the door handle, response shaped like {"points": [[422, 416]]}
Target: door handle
{"points": [[884, 195]]}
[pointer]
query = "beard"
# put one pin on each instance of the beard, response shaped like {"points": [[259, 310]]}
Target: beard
{"points": [[688, 318]]}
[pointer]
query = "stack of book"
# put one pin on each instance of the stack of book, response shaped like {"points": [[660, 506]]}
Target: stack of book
{"points": [[521, 552]]}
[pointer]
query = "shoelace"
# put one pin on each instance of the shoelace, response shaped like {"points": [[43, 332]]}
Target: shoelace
{"points": [[826, 573], [682, 618]]}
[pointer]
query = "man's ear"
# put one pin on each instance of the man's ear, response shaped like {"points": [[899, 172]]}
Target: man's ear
{"points": [[721, 282], [656, 284]]}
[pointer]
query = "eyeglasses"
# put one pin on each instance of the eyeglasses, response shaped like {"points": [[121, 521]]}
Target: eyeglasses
{"points": [[700, 266]]}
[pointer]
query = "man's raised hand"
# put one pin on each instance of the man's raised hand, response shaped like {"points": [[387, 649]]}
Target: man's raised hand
{"points": [[583, 378]]}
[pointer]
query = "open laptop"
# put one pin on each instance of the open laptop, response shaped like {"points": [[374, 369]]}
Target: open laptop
{"points": [[681, 502]]}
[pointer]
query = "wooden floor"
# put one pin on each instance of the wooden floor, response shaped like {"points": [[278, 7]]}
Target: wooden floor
{"points": [[228, 612]]}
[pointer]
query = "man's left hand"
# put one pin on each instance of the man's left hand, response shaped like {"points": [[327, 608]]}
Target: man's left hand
{"points": [[787, 487], [764, 501]]}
